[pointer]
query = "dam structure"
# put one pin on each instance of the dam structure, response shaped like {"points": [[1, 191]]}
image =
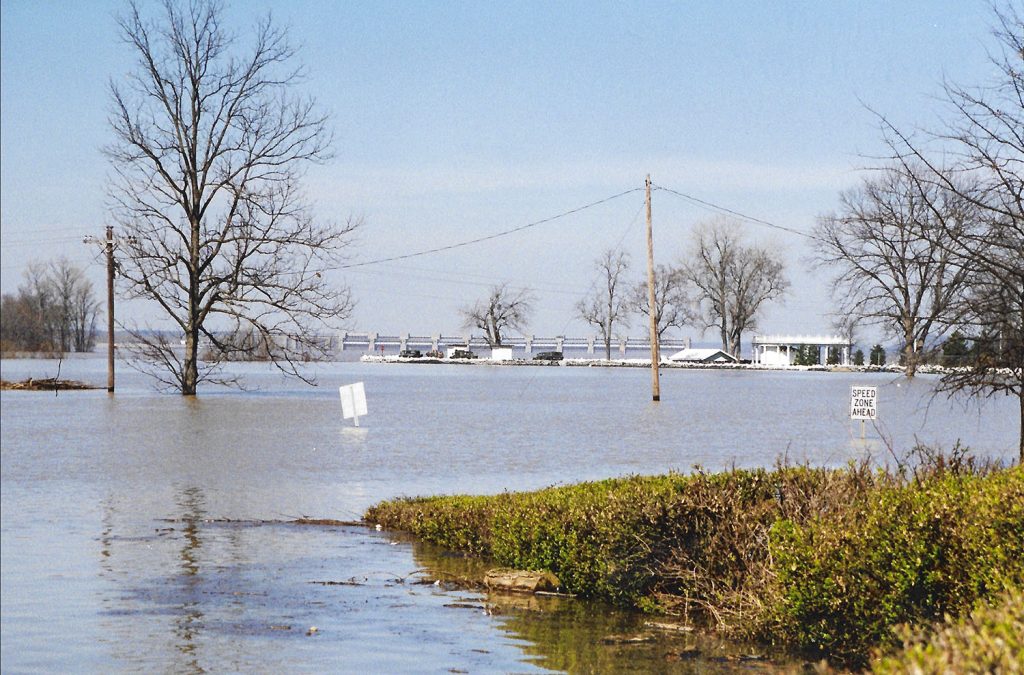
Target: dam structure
{"points": [[373, 343]]}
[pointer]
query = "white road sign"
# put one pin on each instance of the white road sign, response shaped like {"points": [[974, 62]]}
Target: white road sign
{"points": [[353, 401], [863, 403]]}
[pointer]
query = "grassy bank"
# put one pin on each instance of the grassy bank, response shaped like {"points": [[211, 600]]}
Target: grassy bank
{"points": [[828, 561]]}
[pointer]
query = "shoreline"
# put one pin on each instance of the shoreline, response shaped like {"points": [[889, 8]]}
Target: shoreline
{"points": [[826, 561]]}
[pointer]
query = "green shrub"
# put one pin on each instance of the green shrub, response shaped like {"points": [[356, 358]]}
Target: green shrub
{"points": [[826, 560], [461, 523], [989, 640], [908, 553], [633, 541]]}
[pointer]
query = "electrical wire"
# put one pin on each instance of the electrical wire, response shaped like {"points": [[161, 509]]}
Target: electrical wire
{"points": [[41, 241], [723, 209], [489, 237]]}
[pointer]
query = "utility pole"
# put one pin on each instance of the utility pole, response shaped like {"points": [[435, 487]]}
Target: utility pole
{"points": [[110, 308], [108, 246], [651, 305]]}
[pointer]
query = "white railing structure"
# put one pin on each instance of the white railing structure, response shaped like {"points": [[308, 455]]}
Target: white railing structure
{"points": [[529, 344]]}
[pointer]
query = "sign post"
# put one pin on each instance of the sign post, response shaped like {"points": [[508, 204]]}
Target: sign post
{"points": [[863, 405], [353, 401]]}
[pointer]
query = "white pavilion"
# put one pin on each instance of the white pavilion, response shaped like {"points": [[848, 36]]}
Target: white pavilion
{"points": [[778, 350]]}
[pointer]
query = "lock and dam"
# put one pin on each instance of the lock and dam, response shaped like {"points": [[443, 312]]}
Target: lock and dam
{"points": [[375, 343]]}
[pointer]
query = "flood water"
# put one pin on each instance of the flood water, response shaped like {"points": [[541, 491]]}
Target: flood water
{"points": [[117, 553]]}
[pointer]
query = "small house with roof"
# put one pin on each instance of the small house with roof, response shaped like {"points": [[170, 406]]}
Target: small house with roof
{"points": [[690, 355]]}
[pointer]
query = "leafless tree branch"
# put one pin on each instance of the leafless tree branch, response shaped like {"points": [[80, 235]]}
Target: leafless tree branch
{"points": [[210, 143]]}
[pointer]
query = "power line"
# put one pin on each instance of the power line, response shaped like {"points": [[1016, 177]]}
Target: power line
{"points": [[41, 241], [49, 227], [723, 209], [478, 240], [543, 289]]}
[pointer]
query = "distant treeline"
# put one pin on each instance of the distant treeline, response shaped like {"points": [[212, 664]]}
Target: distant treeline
{"points": [[54, 310]]}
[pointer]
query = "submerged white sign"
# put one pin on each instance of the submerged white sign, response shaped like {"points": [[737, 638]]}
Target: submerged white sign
{"points": [[863, 403], [353, 401]]}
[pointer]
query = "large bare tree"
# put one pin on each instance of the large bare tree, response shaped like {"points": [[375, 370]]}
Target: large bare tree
{"points": [[888, 268], [504, 309], [978, 153], [734, 280], [211, 139], [675, 306], [609, 303]]}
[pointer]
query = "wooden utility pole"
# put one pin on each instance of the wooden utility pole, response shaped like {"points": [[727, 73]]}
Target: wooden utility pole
{"points": [[110, 308], [651, 305]]}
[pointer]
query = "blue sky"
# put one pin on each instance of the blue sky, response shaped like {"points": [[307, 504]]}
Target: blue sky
{"points": [[458, 120]]}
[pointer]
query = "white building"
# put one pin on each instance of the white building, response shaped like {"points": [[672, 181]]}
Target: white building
{"points": [[778, 350], [501, 353]]}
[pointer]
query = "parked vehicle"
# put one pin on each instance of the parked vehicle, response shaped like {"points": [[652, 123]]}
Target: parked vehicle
{"points": [[434, 354], [463, 354], [410, 354], [548, 356]]}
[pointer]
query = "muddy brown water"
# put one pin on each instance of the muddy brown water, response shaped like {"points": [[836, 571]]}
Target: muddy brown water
{"points": [[117, 553]]}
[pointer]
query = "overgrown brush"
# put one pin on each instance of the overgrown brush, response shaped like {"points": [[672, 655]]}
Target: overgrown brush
{"points": [[826, 560], [989, 640], [907, 553]]}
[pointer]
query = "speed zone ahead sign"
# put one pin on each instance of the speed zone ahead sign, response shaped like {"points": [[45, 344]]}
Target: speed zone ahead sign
{"points": [[863, 403]]}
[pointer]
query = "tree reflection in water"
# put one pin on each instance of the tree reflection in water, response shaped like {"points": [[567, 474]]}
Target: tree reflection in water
{"points": [[172, 554], [188, 620]]}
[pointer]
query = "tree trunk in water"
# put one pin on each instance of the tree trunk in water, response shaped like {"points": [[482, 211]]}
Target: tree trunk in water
{"points": [[190, 366], [910, 354], [910, 359]]}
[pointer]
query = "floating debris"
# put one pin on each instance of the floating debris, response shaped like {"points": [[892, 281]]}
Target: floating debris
{"points": [[46, 384], [521, 581], [673, 627], [687, 654], [627, 639], [464, 605]]}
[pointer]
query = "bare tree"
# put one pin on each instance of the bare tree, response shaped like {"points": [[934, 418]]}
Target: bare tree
{"points": [[609, 304], [55, 310], [40, 300], [889, 270], [76, 306], [211, 140], [981, 146], [733, 280], [675, 307], [505, 308], [28, 318]]}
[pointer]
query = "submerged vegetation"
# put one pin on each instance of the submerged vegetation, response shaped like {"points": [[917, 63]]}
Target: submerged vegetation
{"points": [[828, 561]]}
